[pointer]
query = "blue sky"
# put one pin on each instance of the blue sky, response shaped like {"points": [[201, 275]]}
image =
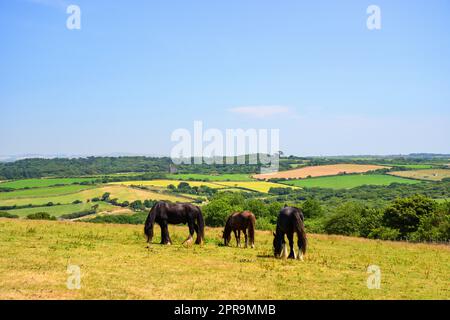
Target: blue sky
{"points": [[137, 70]]}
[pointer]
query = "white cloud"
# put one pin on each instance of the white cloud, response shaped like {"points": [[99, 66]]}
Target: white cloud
{"points": [[260, 111]]}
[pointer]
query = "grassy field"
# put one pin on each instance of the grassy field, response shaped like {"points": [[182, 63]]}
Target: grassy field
{"points": [[409, 166], [429, 174], [39, 183], [115, 264], [319, 171], [43, 192], [348, 181], [64, 209], [123, 193], [222, 177]]}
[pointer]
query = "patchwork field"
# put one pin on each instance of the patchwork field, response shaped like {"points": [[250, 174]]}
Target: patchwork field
{"points": [[34, 183], [259, 186], [430, 174], [348, 181], [43, 192], [115, 264], [60, 210], [165, 183], [318, 171], [222, 177], [123, 193]]}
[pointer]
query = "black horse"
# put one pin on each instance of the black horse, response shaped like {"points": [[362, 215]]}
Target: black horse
{"points": [[164, 213], [290, 221]]}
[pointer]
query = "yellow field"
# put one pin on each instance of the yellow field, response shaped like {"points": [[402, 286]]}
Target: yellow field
{"points": [[164, 183], [123, 193], [319, 171], [260, 186], [425, 174], [115, 264]]}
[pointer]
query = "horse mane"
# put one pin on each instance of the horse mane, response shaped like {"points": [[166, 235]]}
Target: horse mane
{"points": [[150, 221], [227, 230], [300, 228]]}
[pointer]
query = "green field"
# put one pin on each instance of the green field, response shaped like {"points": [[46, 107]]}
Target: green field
{"points": [[115, 264], [39, 183], [208, 177], [59, 210], [348, 181], [43, 192]]}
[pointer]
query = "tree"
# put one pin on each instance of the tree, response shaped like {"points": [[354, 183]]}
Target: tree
{"points": [[346, 220], [311, 208], [405, 214]]}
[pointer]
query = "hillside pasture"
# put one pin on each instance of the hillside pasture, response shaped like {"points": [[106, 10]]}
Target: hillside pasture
{"points": [[348, 181], [318, 171], [115, 264], [43, 192], [429, 174]]}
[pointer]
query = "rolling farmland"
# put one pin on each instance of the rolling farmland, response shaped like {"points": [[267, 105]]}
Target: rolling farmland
{"points": [[318, 171], [348, 181]]}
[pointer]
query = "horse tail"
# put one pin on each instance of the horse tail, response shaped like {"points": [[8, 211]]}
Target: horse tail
{"points": [[201, 226], [251, 230], [150, 221], [301, 233]]}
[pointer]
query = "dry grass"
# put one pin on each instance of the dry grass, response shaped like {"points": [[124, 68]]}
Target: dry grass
{"points": [[427, 174], [116, 264], [319, 171]]}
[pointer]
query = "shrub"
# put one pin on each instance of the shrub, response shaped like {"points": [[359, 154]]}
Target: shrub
{"points": [[405, 214], [76, 215], [8, 215], [264, 223], [40, 216], [384, 233], [345, 221], [77, 202]]}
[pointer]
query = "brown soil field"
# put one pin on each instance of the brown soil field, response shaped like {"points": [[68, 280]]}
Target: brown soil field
{"points": [[319, 171], [426, 174]]}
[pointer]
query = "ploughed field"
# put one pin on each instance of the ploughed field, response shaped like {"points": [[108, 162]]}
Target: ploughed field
{"points": [[319, 171], [116, 264]]}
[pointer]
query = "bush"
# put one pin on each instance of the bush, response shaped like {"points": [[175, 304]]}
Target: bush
{"points": [[345, 221], [137, 218], [311, 208], [405, 214], [40, 216], [77, 202], [76, 215], [8, 215], [264, 223], [384, 233]]}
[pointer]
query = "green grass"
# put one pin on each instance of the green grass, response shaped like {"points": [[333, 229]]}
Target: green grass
{"points": [[115, 264], [63, 209], [43, 192], [348, 181], [222, 177], [39, 183]]}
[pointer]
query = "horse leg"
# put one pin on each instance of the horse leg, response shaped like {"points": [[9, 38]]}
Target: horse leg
{"points": [[237, 237], [246, 237], [165, 238], [290, 237], [188, 241], [300, 252]]}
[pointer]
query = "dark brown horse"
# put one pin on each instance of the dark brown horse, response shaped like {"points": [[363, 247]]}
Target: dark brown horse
{"points": [[164, 213], [237, 222], [290, 221]]}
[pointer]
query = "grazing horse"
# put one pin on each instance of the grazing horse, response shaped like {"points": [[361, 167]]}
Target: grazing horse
{"points": [[290, 221], [237, 222], [164, 213]]}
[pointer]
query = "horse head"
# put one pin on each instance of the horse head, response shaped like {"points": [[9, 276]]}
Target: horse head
{"points": [[279, 246]]}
